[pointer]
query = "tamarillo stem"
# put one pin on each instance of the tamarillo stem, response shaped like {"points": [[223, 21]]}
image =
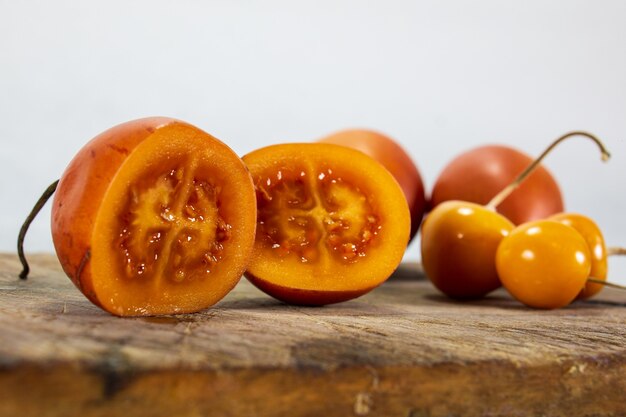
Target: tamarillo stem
{"points": [[502, 195], [615, 251], [608, 284], [33, 213]]}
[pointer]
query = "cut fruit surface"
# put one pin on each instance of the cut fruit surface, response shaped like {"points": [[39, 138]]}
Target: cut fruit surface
{"points": [[332, 223], [170, 220], [393, 157]]}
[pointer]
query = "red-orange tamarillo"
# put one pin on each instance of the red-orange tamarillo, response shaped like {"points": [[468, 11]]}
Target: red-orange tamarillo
{"points": [[477, 175]]}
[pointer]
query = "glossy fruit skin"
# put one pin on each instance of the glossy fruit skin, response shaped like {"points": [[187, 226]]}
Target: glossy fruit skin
{"points": [[393, 157], [321, 277], [597, 249], [82, 192], [544, 264], [479, 174], [459, 243]]}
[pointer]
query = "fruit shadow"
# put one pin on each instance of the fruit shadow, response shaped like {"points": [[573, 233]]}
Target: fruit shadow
{"points": [[601, 303], [506, 302], [493, 300], [271, 306], [408, 271]]}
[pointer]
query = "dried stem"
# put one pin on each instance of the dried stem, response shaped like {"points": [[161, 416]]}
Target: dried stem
{"points": [[615, 251], [608, 284], [502, 195], [33, 213]]}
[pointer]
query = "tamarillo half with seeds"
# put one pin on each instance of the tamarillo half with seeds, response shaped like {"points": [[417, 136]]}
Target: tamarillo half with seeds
{"points": [[153, 216]]}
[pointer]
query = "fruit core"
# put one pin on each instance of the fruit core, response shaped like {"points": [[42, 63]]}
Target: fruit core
{"points": [[171, 227], [307, 213]]}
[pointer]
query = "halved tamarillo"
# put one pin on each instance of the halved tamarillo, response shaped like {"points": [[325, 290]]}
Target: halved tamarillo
{"points": [[154, 216], [393, 157], [332, 223]]}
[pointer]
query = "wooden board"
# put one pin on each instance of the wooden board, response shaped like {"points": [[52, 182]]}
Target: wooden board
{"points": [[402, 350]]}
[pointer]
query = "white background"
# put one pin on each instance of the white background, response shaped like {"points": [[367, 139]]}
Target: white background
{"points": [[439, 76]]}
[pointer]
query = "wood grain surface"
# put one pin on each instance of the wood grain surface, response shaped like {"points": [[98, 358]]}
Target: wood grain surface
{"points": [[402, 350]]}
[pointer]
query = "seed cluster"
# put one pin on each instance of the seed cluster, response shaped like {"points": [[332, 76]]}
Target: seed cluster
{"points": [[306, 213], [172, 228]]}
